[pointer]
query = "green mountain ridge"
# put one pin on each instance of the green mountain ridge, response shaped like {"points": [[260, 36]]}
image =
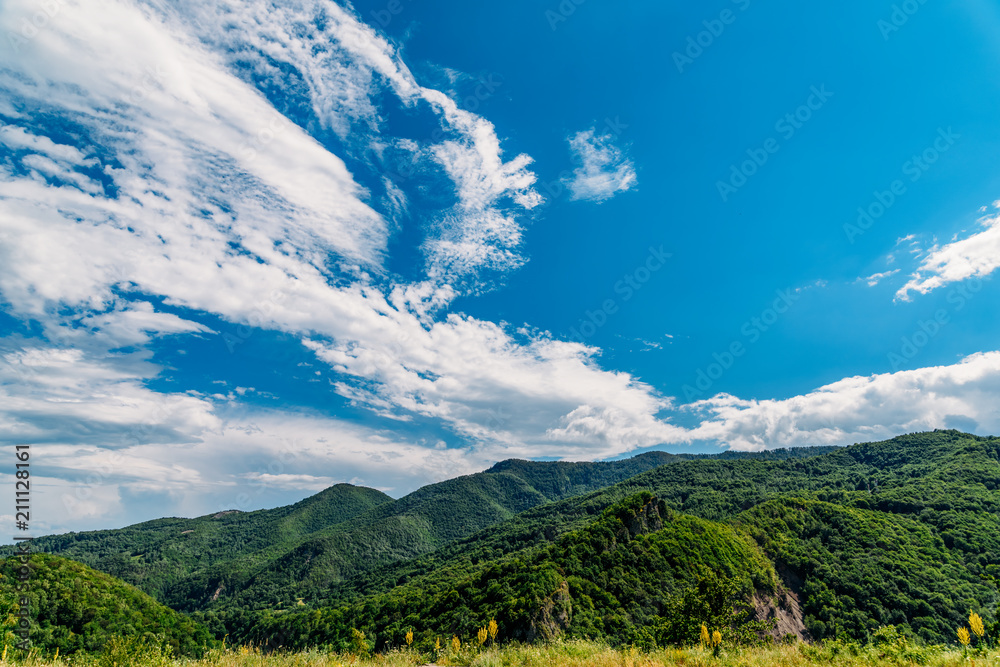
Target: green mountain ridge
{"points": [[823, 543], [156, 555], [903, 532], [277, 557]]}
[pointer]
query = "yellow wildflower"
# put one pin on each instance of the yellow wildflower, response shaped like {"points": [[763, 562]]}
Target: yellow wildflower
{"points": [[482, 635], [976, 623], [493, 628], [716, 638], [963, 636], [704, 635], [455, 644], [409, 637]]}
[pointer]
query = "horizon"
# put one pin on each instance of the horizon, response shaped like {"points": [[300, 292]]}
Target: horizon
{"points": [[486, 470], [247, 255]]}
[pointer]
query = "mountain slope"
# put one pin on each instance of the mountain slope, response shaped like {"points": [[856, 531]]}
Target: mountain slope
{"points": [[612, 579], [274, 557], [156, 555], [903, 532], [429, 518], [77, 608]]}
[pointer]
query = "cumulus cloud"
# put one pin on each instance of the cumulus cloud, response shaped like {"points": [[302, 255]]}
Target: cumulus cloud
{"points": [[57, 395], [859, 409], [603, 171], [975, 256]]}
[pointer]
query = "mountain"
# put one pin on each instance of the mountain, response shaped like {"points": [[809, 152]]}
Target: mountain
{"points": [[285, 556], [158, 555], [822, 543], [75, 607], [903, 532]]}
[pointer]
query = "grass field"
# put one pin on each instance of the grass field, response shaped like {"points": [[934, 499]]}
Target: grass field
{"points": [[561, 654]]}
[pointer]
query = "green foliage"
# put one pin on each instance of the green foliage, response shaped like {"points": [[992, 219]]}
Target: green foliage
{"points": [[134, 651], [902, 533], [75, 608], [864, 569], [715, 602], [614, 580], [235, 561], [8, 605]]}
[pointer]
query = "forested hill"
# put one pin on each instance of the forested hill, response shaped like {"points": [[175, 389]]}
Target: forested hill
{"points": [[155, 554], [74, 607], [290, 554], [904, 532]]}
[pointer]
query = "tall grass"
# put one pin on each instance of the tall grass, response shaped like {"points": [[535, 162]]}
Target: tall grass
{"points": [[558, 654]]}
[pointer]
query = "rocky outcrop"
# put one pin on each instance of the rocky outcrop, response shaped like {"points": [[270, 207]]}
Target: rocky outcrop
{"points": [[649, 519], [786, 611], [553, 617]]}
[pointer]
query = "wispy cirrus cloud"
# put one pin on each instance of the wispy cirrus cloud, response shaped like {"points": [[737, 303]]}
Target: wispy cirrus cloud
{"points": [[603, 168], [165, 180], [164, 164], [339, 66]]}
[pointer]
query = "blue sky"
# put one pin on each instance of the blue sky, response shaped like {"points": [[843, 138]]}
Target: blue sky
{"points": [[249, 250]]}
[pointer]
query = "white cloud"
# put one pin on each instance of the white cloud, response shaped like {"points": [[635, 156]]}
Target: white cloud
{"points": [[341, 64], [19, 139], [876, 278], [59, 395], [860, 409], [250, 462], [603, 169], [185, 187], [213, 202], [974, 256]]}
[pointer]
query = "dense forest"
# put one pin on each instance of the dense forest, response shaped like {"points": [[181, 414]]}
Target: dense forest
{"points": [[272, 558], [815, 544], [74, 607]]}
